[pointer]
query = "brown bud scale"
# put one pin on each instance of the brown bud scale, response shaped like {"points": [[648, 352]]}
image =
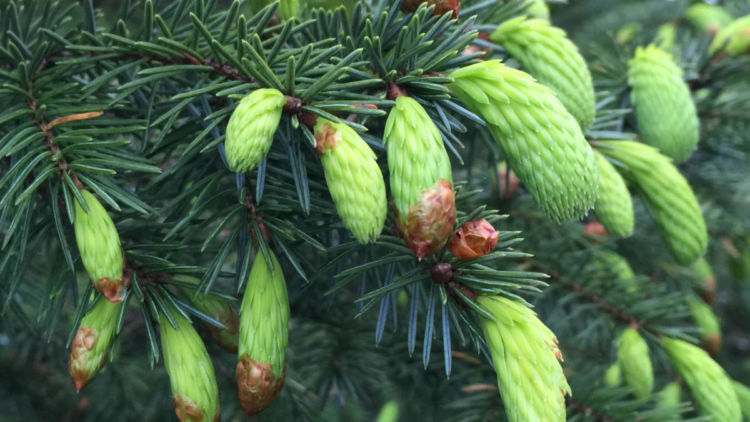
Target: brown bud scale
{"points": [[257, 386]]}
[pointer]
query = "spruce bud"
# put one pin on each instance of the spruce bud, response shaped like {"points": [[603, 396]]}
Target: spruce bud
{"points": [[546, 52], [668, 194], [473, 239], [669, 397], [218, 309], [704, 281], [542, 142], [421, 181], [195, 394], [99, 246], [743, 396], [251, 127], [613, 375], [527, 361], [710, 385], [632, 356], [708, 323], [664, 108], [264, 332], [734, 38], [614, 206], [354, 179], [91, 344], [707, 17]]}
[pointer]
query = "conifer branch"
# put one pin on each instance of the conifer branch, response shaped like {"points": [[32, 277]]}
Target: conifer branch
{"points": [[49, 137], [606, 306]]}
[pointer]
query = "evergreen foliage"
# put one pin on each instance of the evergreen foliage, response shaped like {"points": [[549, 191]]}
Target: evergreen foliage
{"points": [[113, 124]]}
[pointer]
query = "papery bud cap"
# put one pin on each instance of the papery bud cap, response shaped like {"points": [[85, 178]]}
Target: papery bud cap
{"points": [[430, 221], [441, 6], [88, 352], [473, 239]]}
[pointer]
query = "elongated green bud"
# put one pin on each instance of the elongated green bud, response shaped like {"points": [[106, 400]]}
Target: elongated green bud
{"points": [[707, 17], [538, 9], [665, 36], [542, 141], [264, 332], [287, 8], [618, 266], [389, 412], [669, 396], [251, 127], [734, 38], [613, 375], [616, 263], [743, 396], [710, 385], [626, 33], [417, 161], [88, 352], [218, 309], [708, 323], [527, 361], [668, 194], [632, 356], [195, 394], [614, 206], [354, 179], [666, 115], [99, 246], [535, 8], [704, 281], [549, 56]]}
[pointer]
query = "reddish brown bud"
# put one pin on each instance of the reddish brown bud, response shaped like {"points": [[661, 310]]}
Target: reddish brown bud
{"points": [[473, 239], [507, 182], [82, 344], [712, 343], [257, 386], [473, 48], [441, 6], [594, 227], [430, 221], [186, 409], [707, 289], [441, 273]]}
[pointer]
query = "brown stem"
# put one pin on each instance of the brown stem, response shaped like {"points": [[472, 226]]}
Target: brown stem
{"points": [[254, 216], [466, 357], [292, 106], [600, 302], [49, 138], [473, 388], [394, 91]]}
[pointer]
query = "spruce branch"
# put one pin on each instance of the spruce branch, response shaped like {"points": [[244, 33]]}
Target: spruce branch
{"points": [[49, 138], [606, 306]]}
